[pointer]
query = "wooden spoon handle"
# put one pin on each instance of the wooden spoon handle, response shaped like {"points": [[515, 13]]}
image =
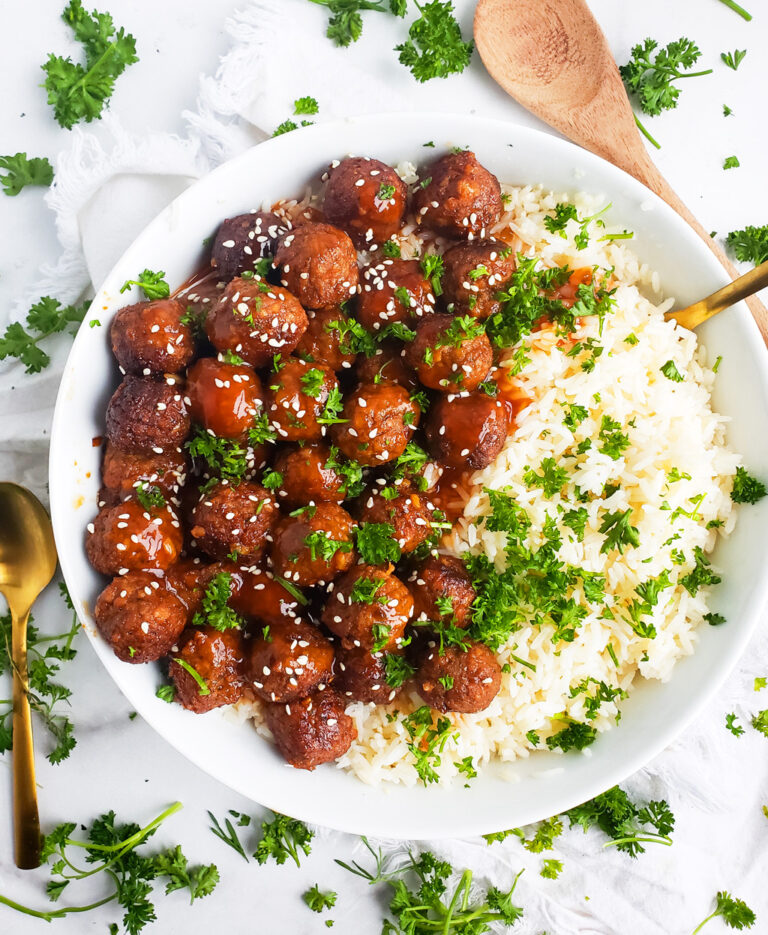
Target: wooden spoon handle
{"points": [[647, 173], [26, 820]]}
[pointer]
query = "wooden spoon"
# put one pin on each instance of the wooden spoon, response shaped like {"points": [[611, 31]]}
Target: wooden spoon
{"points": [[552, 57]]}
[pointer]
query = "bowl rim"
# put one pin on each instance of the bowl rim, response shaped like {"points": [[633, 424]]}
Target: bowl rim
{"points": [[462, 823]]}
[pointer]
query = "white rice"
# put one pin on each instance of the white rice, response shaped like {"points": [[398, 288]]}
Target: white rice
{"points": [[669, 425]]}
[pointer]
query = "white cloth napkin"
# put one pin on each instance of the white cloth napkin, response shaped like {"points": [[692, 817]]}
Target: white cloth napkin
{"points": [[715, 783]]}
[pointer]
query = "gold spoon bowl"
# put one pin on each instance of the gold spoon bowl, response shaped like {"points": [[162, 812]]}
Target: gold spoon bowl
{"points": [[27, 564]]}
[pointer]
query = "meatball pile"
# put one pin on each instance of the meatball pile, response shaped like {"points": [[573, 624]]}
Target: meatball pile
{"points": [[270, 505]]}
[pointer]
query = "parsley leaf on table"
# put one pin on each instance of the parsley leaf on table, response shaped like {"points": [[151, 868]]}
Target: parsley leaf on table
{"points": [[730, 723], [112, 850], [734, 912], [625, 823], [345, 24], [733, 59], [46, 317], [21, 171], [281, 838], [435, 47], [731, 162], [749, 245], [80, 92], [305, 105], [152, 284], [760, 722], [45, 653], [318, 900], [651, 77]]}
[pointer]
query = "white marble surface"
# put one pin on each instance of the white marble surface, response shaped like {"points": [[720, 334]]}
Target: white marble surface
{"points": [[120, 763]]}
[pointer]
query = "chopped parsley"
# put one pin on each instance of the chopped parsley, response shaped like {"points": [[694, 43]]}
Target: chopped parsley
{"points": [[618, 531], [427, 741], [576, 736], [385, 192], [551, 479], [151, 283], [614, 441], [333, 406], [701, 575], [305, 105], [575, 416], [462, 328], [353, 338], [321, 546], [391, 249], [272, 479], [625, 823], [349, 472], [312, 382], [318, 900], [403, 296], [281, 838], [577, 521], [749, 245], [551, 869], [215, 612], [565, 212], [733, 59], [150, 496], [397, 670], [376, 543], [732, 726], [747, 489], [731, 162], [760, 722]]}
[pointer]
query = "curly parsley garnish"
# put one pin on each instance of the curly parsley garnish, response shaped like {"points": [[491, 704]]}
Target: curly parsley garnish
{"points": [[734, 912], [215, 611], [749, 245], [435, 46], [46, 317], [151, 283], [21, 171], [747, 489]]}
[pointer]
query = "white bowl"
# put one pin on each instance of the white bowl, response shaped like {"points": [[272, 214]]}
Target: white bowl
{"points": [[501, 797]]}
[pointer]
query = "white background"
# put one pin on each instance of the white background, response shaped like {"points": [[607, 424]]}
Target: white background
{"points": [[122, 764]]}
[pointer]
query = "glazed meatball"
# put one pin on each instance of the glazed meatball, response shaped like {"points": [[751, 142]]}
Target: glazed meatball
{"points": [[139, 616], [366, 198], [122, 472], [388, 364], [467, 430], [256, 321], [231, 519], [129, 536], [217, 658], [150, 337], [368, 608], [450, 354], [474, 275], [458, 197], [325, 342], [288, 660], [312, 731], [240, 242], [311, 474], [379, 420], [362, 676], [148, 416], [443, 579], [409, 512], [190, 578], [224, 398], [318, 263], [297, 396], [470, 679], [394, 291], [315, 546], [259, 596]]}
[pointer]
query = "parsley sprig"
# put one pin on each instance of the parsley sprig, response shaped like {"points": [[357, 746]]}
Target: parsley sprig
{"points": [[749, 245], [45, 318], [435, 46], [151, 283], [747, 489], [81, 92], [734, 912], [111, 849], [46, 696], [21, 171], [215, 611]]}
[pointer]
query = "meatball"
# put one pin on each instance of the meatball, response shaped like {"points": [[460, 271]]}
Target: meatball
{"points": [[442, 590], [311, 474], [409, 512], [259, 596], [217, 658], [394, 291], [315, 546], [368, 608], [467, 431], [312, 731], [298, 394], [288, 660], [366, 198], [318, 263], [139, 616], [148, 416], [234, 520], [386, 365], [362, 676], [474, 275], [458, 197], [450, 354], [122, 472], [191, 577], [325, 340], [240, 242], [128, 536], [256, 321], [460, 680], [223, 398], [379, 420], [150, 337]]}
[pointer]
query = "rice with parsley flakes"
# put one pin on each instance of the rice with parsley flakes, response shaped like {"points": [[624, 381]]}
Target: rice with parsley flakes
{"points": [[613, 487]]}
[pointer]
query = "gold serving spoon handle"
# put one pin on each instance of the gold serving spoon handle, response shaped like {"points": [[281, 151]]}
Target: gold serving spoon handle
{"points": [[27, 564], [746, 285]]}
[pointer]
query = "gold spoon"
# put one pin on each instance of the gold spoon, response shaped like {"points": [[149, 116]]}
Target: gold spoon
{"points": [[746, 285], [552, 57], [27, 564]]}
